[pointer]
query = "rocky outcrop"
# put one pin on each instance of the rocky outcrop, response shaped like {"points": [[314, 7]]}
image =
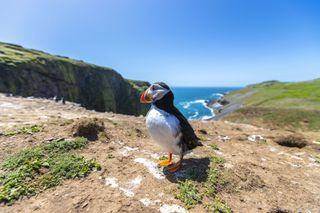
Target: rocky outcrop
{"points": [[27, 72]]}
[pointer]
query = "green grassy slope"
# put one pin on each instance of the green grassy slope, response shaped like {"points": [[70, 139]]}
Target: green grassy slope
{"points": [[300, 95], [13, 54], [277, 104]]}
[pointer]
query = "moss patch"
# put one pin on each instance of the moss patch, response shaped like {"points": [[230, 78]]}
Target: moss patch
{"points": [[33, 170]]}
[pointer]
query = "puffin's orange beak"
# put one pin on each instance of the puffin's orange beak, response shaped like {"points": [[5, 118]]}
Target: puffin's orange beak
{"points": [[145, 98]]}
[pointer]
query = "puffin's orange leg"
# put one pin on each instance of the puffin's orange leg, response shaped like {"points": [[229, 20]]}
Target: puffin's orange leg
{"points": [[175, 167], [166, 162]]}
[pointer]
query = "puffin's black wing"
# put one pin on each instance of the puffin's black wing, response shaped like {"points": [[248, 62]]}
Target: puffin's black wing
{"points": [[189, 138]]}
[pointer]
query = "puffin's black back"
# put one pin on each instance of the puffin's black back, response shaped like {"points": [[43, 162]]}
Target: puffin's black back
{"points": [[189, 138]]}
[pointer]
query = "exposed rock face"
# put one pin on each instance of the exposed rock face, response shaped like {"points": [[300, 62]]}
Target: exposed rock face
{"points": [[28, 72]]}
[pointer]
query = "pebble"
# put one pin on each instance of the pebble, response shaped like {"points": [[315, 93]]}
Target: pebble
{"points": [[254, 138], [223, 138], [172, 209]]}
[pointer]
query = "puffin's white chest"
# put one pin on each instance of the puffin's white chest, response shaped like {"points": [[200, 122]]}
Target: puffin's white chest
{"points": [[164, 128]]}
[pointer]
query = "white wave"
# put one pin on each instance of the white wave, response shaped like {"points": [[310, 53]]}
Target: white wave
{"points": [[211, 111], [217, 94], [185, 105], [216, 105], [188, 104], [200, 101], [194, 116], [206, 117]]}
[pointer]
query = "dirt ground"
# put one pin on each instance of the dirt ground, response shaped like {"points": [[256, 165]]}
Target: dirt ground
{"points": [[263, 174]]}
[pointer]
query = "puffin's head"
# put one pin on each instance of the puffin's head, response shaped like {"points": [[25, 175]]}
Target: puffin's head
{"points": [[157, 92]]}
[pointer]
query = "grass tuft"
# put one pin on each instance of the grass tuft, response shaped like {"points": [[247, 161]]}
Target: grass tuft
{"points": [[214, 146], [189, 194], [33, 170], [214, 174], [25, 130], [219, 207]]}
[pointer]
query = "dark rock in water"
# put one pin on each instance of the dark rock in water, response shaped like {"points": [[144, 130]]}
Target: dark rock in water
{"points": [[26, 72], [223, 107], [223, 102], [220, 101]]}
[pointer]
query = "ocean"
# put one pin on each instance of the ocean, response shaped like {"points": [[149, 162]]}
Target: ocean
{"points": [[191, 101]]}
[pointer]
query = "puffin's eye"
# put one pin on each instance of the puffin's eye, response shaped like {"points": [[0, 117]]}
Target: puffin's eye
{"points": [[156, 87]]}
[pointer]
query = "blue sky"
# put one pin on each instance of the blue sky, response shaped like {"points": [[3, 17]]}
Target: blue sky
{"points": [[181, 42]]}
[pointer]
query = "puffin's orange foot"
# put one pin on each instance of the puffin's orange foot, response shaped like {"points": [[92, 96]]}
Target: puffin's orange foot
{"points": [[175, 167], [166, 162]]}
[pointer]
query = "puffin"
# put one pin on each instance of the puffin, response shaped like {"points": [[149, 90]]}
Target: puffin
{"points": [[167, 126]]}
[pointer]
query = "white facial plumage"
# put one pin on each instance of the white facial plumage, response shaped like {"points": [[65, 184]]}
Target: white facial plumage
{"points": [[157, 92]]}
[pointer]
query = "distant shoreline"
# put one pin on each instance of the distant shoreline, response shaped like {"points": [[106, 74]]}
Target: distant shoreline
{"points": [[193, 101], [222, 107]]}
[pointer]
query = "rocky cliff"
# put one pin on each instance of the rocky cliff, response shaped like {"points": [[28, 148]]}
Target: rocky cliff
{"points": [[28, 72]]}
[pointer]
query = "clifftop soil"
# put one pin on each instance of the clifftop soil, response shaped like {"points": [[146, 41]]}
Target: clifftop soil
{"points": [[261, 175]]}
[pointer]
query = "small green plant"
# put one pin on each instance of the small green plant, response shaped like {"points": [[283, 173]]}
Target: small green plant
{"points": [[163, 157], [217, 161], [219, 207], [25, 130], [201, 138], [214, 174], [214, 146], [33, 170], [189, 194]]}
